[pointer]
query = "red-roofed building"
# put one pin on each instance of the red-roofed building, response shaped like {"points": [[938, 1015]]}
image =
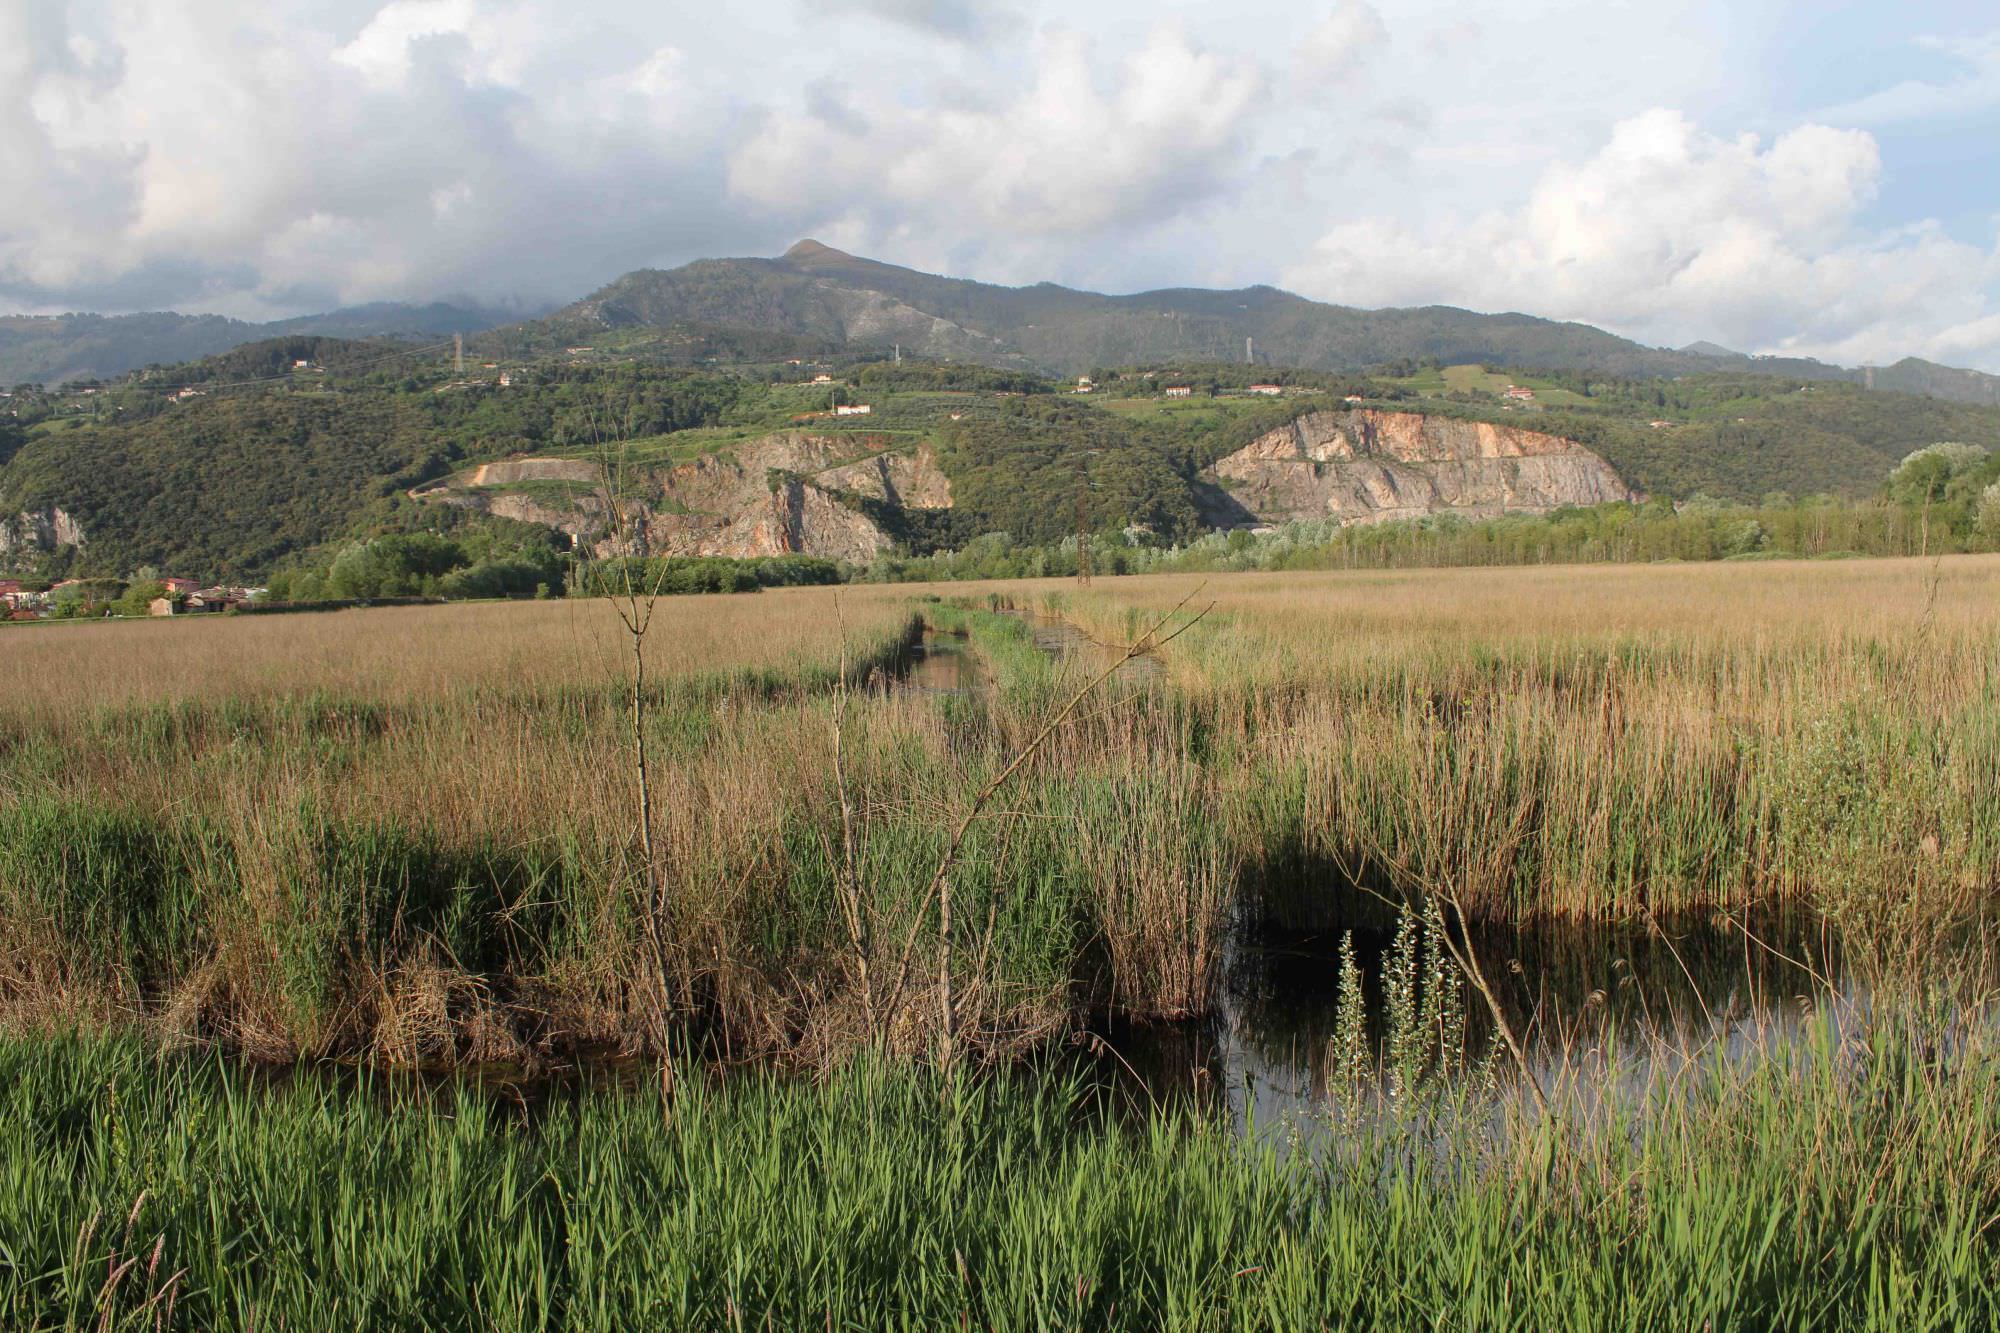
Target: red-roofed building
{"points": [[180, 587]]}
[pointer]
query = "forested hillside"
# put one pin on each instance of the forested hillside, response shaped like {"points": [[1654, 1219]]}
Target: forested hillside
{"points": [[1741, 437], [272, 453]]}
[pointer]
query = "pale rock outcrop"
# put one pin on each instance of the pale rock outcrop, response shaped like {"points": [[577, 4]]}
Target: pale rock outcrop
{"points": [[772, 496], [1373, 465], [911, 481], [39, 530]]}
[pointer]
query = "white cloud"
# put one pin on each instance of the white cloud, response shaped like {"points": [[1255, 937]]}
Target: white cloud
{"points": [[1077, 152], [272, 156], [1346, 37], [254, 163], [1669, 233], [381, 51], [948, 18]]}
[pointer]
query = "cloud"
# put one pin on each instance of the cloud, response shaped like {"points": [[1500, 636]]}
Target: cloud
{"points": [[254, 163], [265, 157], [948, 18], [1670, 233], [1079, 152], [1346, 37], [1972, 88]]}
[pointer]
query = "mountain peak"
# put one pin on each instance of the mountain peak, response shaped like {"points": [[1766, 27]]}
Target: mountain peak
{"points": [[812, 251]]}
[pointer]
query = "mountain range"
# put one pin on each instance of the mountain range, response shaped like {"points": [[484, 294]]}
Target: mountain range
{"points": [[815, 291], [57, 349], [825, 298]]}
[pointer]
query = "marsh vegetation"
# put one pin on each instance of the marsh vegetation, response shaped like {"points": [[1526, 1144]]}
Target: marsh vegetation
{"points": [[1714, 849]]}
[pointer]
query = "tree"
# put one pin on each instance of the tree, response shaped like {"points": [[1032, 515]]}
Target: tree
{"points": [[1924, 476], [138, 599], [1989, 512]]}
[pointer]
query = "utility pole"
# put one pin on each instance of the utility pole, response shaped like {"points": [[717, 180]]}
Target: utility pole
{"points": [[458, 354]]}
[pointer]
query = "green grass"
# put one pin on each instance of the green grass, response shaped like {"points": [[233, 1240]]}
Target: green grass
{"points": [[1822, 1183], [1437, 382]]}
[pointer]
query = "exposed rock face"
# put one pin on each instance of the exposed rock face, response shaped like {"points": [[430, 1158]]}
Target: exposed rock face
{"points": [[912, 481], [1371, 465], [39, 530], [774, 496]]}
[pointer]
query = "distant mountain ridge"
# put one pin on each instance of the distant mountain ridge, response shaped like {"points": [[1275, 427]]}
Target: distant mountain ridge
{"points": [[816, 297], [54, 349], [814, 290]]}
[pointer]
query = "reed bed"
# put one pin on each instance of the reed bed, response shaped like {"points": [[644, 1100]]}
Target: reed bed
{"points": [[410, 835], [1593, 743]]}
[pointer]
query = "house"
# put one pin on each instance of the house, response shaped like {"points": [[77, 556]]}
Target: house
{"points": [[184, 395], [219, 598], [1268, 390], [301, 363], [852, 410], [180, 587], [9, 587], [1083, 384], [1519, 394], [822, 379], [161, 606], [506, 380], [1180, 391], [1354, 398]]}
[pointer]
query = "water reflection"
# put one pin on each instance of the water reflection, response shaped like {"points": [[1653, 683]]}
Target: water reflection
{"points": [[940, 664], [1625, 997]]}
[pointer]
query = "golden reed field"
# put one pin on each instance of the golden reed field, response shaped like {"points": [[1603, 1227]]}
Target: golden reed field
{"points": [[415, 832]]}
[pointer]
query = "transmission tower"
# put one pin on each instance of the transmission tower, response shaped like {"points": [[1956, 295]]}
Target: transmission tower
{"points": [[1082, 537], [1083, 518]]}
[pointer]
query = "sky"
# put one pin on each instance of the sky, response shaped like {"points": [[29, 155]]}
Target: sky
{"points": [[1776, 177]]}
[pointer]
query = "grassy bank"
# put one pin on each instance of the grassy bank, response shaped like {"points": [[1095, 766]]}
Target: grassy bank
{"points": [[1833, 1182]]}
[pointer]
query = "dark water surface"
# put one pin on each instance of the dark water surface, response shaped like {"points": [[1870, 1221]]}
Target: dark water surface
{"points": [[1635, 998]]}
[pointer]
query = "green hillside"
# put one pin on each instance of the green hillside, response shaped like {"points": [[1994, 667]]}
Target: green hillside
{"points": [[249, 461]]}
